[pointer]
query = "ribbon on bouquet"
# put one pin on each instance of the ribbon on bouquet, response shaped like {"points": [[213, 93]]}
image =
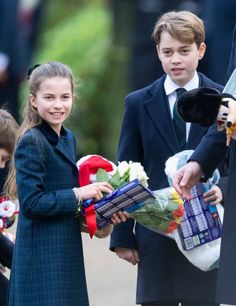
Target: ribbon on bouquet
{"points": [[90, 216]]}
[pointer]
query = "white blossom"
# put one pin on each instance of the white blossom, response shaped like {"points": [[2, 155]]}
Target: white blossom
{"points": [[122, 168], [137, 172]]}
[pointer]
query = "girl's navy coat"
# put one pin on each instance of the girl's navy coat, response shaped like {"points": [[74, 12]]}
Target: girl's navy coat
{"points": [[148, 136], [48, 265]]}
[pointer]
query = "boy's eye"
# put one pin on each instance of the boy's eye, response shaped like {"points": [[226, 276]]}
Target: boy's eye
{"points": [[185, 51], [167, 52]]}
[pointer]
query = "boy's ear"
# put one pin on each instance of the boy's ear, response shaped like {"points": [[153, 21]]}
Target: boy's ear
{"points": [[158, 51], [202, 50], [32, 100]]}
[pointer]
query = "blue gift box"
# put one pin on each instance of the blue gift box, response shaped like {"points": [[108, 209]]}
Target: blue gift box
{"points": [[129, 197], [201, 222]]}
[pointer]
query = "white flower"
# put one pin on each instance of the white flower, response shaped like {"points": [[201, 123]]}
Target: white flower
{"points": [[7, 209], [137, 172], [171, 166], [122, 168]]}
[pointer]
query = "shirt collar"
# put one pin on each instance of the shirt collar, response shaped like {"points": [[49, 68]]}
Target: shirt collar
{"points": [[171, 86]]}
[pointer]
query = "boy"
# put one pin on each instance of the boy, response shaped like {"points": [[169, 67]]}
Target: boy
{"points": [[151, 133]]}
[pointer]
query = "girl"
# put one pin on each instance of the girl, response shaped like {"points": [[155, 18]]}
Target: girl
{"points": [[8, 131], [48, 267]]}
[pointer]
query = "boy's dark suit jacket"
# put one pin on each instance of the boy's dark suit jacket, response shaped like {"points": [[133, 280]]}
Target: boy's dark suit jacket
{"points": [[6, 251], [47, 266], [148, 136], [226, 290]]}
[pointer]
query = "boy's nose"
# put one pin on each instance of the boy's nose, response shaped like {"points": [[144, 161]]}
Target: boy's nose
{"points": [[175, 58]]}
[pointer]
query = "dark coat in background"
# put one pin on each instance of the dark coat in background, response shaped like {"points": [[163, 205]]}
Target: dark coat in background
{"points": [[48, 265], [148, 136], [12, 45], [6, 251], [226, 291]]}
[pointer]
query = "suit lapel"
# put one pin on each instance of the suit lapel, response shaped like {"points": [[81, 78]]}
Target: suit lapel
{"points": [[158, 109], [61, 144], [66, 151]]}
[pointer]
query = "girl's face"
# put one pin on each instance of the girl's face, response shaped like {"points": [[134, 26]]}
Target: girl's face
{"points": [[54, 101], [4, 157], [179, 60]]}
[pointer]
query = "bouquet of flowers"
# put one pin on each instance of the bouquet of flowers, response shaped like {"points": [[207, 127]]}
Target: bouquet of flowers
{"points": [[160, 210]]}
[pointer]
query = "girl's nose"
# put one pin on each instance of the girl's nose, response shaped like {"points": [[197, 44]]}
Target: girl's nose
{"points": [[57, 103]]}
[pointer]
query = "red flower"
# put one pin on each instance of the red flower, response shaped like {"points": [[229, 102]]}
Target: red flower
{"points": [[172, 227]]}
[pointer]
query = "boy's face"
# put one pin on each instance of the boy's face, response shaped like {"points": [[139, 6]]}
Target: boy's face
{"points": [[179, 60], [4, 157]]}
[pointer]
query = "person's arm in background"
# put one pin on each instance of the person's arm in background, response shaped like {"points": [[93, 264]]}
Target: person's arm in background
{"points": [[204, 160]]}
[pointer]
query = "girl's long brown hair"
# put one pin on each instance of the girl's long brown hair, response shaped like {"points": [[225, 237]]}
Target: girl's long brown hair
{"points": [[31, 117]]}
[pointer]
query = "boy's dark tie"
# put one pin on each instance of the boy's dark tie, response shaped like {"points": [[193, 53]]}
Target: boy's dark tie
{"points": [[179, 123]]}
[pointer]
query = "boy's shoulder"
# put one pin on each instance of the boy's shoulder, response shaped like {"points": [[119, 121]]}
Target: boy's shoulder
{"points": [[148, 91], [207, 82]]}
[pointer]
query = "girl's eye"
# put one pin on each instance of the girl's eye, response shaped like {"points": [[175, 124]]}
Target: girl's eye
{"points": [[48, 97], [5, 158], [66, 97]]}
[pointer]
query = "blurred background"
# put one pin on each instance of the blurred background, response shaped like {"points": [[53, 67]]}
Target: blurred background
{"points": [[108, 45]]}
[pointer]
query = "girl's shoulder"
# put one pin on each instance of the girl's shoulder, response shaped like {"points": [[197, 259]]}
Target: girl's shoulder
{"points": [[33, 137]]}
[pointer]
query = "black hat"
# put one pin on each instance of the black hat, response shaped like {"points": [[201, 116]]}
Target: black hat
{"points": [[200, 105]]}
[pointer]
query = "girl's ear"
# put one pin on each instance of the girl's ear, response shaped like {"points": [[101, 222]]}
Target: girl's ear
{"points": [[32, 100], [74, 98]]}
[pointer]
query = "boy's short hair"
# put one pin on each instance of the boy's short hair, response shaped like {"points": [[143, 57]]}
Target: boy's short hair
{"points": [[184, 26], [8, 131]]}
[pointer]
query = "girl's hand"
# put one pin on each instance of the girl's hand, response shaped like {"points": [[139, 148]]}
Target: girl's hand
{"points": [[120, 216], [214, 195], [94, 190]]}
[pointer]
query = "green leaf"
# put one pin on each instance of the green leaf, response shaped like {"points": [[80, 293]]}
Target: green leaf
{"points": [[102, 175], [163, 226], [115, 180], [172, 206]]}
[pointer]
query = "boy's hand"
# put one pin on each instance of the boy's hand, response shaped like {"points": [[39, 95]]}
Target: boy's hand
{"points": [[129, 255], [214, 195]]}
